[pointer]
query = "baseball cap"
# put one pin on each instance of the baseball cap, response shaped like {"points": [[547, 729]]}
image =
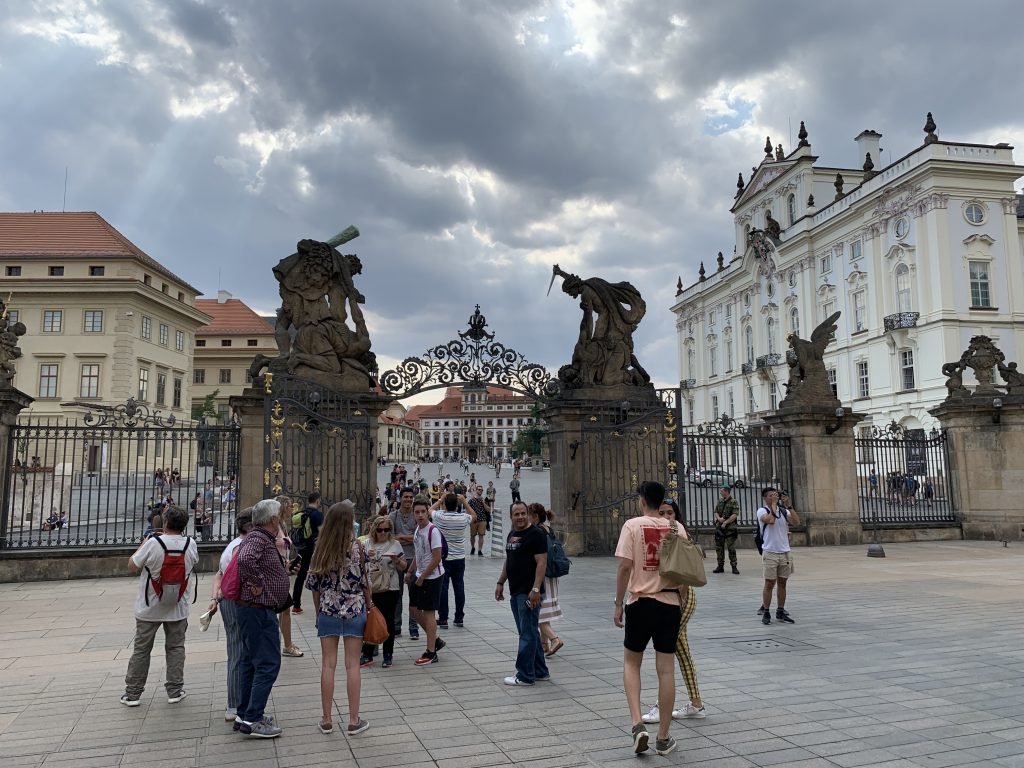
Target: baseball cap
{"points": [[726, 487]]}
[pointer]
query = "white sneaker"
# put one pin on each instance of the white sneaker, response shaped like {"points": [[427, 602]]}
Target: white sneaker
{"points": [[654, 715], [229, 715], [689, 712]]}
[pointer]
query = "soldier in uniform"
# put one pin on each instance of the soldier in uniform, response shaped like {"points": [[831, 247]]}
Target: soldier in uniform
{"points": [[727, 511]]}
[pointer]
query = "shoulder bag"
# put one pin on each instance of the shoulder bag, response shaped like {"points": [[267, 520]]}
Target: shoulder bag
{"points": [[681, 560]]}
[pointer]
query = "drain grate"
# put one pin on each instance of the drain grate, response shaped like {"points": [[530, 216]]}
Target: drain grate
{"points": [[755, 645]]}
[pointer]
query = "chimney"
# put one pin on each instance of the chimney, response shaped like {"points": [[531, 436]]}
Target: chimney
{"points": [[223, 296], [867, 144]]}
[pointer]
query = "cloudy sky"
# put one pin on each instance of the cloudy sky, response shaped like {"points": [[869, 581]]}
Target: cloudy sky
{"points": [[473, 143]]}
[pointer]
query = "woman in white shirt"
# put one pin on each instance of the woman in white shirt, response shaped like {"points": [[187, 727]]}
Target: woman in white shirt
{"points": [[385, 563]]}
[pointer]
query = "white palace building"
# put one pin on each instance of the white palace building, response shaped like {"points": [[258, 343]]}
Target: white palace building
{"points": [[919, 256]]}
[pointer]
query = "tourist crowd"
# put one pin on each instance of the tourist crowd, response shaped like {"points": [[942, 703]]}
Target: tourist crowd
{"points": [[417, 544]]}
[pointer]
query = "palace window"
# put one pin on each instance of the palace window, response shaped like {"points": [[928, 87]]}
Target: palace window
{"points": [[143, 384], [833, 382], [48, 379], [90, 382], [907, 369], [199, 376], [903, 288], [863, 385], [165, 334], [93, 321], [860, 311], [147, 328], [981, 296], [52, 320]]}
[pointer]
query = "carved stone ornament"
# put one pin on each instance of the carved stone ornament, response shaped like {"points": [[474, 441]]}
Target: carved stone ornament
{"points": [[603, 355], [9, 349], [763, 248], [314, 340], [984, 358], [808, 384]]}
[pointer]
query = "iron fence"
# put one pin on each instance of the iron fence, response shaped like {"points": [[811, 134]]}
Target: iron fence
{"points": [[903, 476], [94, 482], [725, 453]]}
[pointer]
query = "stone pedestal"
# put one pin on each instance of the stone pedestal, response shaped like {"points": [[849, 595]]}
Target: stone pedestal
{"points": [[248, 409], [986, 457], [609, 478], [824, 471], [12, 403]]}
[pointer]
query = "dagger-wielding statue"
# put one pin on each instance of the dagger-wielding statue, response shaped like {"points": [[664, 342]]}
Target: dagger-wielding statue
{"points": [[603, 355]]}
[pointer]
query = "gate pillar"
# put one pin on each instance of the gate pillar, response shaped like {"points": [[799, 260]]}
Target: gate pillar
{"points": [[248, 409], [565, 436], [824, 471], [601, 448], [986, 459]]}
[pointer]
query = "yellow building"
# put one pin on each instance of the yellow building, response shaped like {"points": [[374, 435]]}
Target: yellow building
{"points": [[225, 348], [105, 321]]}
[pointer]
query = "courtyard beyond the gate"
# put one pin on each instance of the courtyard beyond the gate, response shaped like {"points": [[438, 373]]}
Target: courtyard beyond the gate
{"points": [[914, 660]]}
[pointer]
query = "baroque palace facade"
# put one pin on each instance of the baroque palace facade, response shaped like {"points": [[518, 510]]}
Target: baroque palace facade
{"points": [[475, 423], [919, 256]]}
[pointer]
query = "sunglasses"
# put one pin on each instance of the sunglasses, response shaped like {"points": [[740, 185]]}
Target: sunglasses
{"points": [[383, 530]]}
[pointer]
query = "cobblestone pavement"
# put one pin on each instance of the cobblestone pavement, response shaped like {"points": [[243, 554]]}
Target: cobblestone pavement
{"points": [[915, 660]]}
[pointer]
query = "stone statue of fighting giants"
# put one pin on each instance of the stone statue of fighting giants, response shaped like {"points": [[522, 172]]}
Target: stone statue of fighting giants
{"points": [[314, 339], [603, 355]]}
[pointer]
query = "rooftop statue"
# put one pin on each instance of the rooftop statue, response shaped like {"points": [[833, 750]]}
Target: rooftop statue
{"points": [[603, 355], [808, 380], [314, 339]]}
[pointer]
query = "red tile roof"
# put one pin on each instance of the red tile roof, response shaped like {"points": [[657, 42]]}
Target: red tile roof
{"points": [[233, 317], [71, 235]]}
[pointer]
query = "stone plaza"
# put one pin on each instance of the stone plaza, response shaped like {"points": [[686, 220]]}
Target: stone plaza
{"points": [[912, 660]]}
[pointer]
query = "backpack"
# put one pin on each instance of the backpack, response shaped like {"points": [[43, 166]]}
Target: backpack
{"points": [[558, 563], [172, 571], [302, 530], [758, 532], [444, 541], [231, 582]]}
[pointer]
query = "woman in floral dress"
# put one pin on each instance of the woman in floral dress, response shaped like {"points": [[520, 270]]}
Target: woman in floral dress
{"points": [[341, 595]]}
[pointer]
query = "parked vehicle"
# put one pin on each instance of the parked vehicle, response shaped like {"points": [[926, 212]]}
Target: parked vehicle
{"points": [[709, 477]]}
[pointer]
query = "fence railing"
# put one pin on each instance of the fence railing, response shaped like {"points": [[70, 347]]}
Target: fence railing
{"points": [[745, 462], [88, 485], [904, 479]]}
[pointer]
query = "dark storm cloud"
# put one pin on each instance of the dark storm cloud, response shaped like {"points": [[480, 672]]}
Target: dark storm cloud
{"points": [[473, 143]]}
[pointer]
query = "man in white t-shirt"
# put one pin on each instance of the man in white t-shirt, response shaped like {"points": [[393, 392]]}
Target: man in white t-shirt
{"points": [[424, 579], [775, 519], [453, 521], [167, 583]]}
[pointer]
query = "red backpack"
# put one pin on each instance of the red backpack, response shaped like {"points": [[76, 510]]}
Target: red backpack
{"points": [[172, 572]]}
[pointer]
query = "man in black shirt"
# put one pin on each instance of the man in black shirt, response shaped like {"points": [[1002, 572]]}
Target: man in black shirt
{"points": [[526, 560], [316, 519]]}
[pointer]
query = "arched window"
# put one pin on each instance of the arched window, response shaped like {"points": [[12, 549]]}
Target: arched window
{"points": [[770, 328], [748, 339], [791, 207], [794, 321], [903, 288]]}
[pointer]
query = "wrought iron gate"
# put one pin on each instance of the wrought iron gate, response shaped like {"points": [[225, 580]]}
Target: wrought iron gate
{"points": [[317, 439], [619, 448], [725, 452], [904, 477]]}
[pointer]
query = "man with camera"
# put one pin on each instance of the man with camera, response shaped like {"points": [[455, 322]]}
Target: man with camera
{"points": [[775, 518], [727, 512]]}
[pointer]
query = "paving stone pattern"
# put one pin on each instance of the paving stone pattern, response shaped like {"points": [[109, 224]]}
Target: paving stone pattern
{"points": [[915, 660]]}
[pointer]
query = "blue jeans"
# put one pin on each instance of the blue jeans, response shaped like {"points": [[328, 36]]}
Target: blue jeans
{"points": [[455, 573], [530, 662], [260, 661]]}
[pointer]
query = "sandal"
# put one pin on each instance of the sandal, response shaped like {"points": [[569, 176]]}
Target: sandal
{"points": [[325, 726], [291, 650], [556, 646]]}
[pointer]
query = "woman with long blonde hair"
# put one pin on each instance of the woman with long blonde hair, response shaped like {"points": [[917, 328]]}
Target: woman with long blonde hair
{"points": [[341, 595], [284, 546], [385, 564]]}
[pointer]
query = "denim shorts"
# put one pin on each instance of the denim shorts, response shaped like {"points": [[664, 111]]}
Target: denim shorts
{"points": [[335, 626]]}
